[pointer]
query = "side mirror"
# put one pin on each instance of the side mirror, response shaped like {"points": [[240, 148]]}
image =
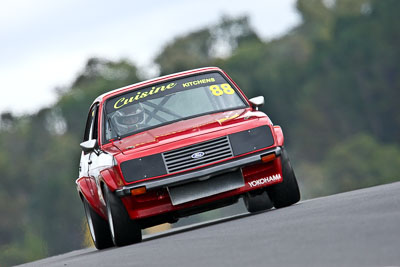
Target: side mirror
{"points": [[89, 145], [257, 101]]}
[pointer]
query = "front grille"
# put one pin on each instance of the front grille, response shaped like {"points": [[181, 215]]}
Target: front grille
{"points": [[181, 159]]}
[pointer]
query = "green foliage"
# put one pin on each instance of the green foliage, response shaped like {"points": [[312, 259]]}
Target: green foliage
{"points": [[357, 162], [30, 248], [202, 47], [362, 161], [39, 165], [99, 76]]}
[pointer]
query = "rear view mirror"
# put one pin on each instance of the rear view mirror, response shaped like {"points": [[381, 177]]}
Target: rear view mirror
{"points": [[257, 101], [89, 145]]}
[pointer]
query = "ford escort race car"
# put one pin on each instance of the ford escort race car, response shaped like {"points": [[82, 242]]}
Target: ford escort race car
{"points": [[174, 146]]}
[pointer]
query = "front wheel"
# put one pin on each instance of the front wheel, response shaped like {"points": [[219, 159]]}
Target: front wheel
{"points": [[257, 203], [286, 193], [98, 227], [124, 231]]}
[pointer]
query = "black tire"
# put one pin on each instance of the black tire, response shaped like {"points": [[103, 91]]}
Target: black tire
{"points": [[124, 231], [257, 203], [98, 227], [286, 193]]}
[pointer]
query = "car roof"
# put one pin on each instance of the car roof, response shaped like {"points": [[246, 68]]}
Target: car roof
{"points": [[155, 81]]}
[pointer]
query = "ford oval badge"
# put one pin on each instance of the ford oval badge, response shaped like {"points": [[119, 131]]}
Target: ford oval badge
{"points": [[197, 155]]}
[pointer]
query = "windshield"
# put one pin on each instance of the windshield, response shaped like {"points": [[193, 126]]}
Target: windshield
{"points": [[180, 99]]}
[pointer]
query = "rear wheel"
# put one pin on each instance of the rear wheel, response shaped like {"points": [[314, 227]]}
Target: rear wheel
{"points": [[124, 231], [98, 227], [255, 203], [286, 193]]}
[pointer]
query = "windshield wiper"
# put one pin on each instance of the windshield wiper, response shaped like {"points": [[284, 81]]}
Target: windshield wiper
{"points": [[113, 128]]}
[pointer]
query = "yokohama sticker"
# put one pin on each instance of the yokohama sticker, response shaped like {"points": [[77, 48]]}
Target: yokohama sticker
{"points": [[265, 180]]}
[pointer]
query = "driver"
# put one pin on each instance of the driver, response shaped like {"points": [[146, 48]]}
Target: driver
{"points": [[129, 118]]}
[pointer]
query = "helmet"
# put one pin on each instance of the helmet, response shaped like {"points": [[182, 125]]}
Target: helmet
{"points": [[129, 118]]}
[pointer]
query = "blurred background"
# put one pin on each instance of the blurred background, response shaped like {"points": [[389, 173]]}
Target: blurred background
{"points": [[329, 70]]}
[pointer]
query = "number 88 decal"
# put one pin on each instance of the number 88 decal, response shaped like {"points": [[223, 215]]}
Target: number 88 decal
{"points": [[226, 89]]}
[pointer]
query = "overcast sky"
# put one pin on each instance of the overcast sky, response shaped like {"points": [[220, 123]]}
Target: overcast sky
{"points": [[45, 43]]}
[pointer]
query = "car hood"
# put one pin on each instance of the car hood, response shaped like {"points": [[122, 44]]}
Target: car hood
{"points": [[162, 138]]}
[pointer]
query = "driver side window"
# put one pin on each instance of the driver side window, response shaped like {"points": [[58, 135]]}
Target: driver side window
{"points": [[91, 124]]}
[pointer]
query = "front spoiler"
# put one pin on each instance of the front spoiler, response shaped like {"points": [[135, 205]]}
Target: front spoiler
{"points": [[199, 175]]}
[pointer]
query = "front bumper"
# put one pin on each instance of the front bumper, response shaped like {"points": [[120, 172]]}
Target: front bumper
{"points": [[201, 174]]}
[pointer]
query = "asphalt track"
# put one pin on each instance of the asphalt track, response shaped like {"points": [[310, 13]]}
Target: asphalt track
{"points": [[358, 228]]}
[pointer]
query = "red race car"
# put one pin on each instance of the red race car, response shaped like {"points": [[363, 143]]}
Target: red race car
{"points": [[175, 146]]}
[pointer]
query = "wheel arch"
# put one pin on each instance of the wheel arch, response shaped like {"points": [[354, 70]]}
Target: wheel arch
{"points": [[109, 178], [279, 135], [85, 193]]}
